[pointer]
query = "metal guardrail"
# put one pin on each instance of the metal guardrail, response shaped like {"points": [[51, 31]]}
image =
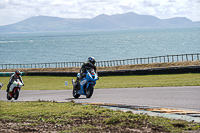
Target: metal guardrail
{"points": [[134, 61], [149, 60], [42, 65]]}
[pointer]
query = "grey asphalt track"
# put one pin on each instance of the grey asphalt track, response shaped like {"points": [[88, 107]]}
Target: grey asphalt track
{"points": [[168, 97]]}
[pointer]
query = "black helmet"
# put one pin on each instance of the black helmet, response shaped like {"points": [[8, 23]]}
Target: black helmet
{"points": [[17, 72], [91, 60]]}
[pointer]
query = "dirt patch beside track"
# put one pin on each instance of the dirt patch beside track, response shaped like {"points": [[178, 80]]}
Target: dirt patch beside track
{"points": [[78, 126]]}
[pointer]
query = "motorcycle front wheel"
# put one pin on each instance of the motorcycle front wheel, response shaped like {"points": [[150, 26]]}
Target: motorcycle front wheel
{"points": [[8, 96], [89, 91], [75, 95], [16, 94]]}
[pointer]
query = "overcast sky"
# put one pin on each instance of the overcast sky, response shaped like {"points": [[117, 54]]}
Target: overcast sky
{"points": [[12, 11]]}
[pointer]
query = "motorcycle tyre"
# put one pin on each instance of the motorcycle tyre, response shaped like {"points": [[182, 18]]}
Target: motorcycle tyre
{"points": [[16, 94], [89, 91], [75, 95], [8, 96]]}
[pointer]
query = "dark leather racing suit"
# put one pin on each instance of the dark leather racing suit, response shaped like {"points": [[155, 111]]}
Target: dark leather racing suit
{"points": [[85, 66]]}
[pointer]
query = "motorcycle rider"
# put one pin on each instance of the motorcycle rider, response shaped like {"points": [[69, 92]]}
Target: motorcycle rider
{"points": [[87, 65], [14, 77]]}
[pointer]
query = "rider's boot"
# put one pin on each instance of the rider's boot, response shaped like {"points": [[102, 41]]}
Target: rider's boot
{"points": [[78, 79], [8, 86], [76, 83]]}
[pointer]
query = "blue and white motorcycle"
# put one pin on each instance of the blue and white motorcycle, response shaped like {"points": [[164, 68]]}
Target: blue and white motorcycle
{"points": [[86, 85]]}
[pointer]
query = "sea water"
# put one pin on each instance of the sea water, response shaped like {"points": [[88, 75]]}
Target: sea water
{"points": [[77, 46]]}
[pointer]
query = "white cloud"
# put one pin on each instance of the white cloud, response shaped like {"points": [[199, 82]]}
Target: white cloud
{"points": [[12, 11]]}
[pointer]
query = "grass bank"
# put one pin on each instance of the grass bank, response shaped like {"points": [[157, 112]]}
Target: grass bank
{"points": [[111, 68], [71, 117], [58, 83]]}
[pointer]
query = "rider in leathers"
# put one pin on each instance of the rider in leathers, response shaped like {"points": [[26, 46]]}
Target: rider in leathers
{"points": [[87, 65], [14, 77]]}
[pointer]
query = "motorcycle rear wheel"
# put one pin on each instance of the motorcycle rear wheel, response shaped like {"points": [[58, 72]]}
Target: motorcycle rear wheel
{"points": [[89, 91], [8, 96], [16, 94]]}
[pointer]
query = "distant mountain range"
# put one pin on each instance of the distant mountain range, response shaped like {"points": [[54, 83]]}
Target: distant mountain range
{"points": [[102, 22]]}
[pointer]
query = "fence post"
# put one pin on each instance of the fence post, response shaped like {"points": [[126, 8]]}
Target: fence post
{"points": [[192, 57], [168, 58], [177, 58], [186, 57], [182, 57], [164, 59]]}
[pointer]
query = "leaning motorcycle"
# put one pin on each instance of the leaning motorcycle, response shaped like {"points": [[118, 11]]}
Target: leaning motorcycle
{"points": [[15, 91], [86, 85]]}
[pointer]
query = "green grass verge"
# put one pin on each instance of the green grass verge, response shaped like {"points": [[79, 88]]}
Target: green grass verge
{"points": [[65, 117], [58, 83]]}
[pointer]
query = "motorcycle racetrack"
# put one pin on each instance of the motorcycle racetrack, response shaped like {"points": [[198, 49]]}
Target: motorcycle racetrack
{"points": [[186, 97]]}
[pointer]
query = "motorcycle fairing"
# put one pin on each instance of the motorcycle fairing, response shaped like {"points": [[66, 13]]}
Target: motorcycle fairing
{"points": [[89, 79]]}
